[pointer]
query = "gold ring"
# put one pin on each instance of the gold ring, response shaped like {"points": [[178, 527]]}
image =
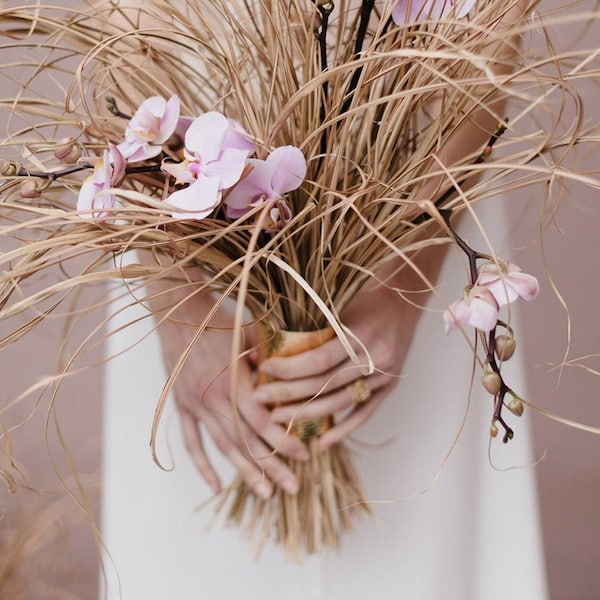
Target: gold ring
{"points": [[359, 391]]}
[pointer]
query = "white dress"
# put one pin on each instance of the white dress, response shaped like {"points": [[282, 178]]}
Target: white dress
{"points": [[461, 529]]}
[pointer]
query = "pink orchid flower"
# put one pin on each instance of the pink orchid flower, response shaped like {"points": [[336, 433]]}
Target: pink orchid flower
{"points": [[94, 196], [216, 150], [153, 124], [411, 11], [478, 309], [269, 180], [507, 282]]}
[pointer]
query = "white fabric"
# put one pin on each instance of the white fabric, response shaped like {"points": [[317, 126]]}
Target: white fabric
{"points": [[474, 535]]}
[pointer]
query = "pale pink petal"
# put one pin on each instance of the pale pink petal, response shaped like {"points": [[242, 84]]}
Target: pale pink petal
{"points": [[256, 185], [85, 199], [169, 121], [180, 171], [183, 124], [119, 164], [137, 152], [456, 315], [525, 285], [228, 168], [280, 215], [235, 213], [93, 200], [237, 137], [478, 309], [507, 282], [483, 314], [204, 138], [289, 167], [102, 170], [501, 290], [155, 105], [144, 125], [128, 148], [407, 11], [463, 8], [196, 201]]}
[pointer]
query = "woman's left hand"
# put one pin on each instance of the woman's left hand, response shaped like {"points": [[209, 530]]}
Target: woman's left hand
{"points": [[325, 381]]}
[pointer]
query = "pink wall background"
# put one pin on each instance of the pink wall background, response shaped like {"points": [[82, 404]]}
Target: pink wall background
{"points": [[63, 551]]}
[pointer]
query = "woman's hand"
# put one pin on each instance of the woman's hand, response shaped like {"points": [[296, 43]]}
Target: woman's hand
{"points": [[245, 434], [325, 381]]}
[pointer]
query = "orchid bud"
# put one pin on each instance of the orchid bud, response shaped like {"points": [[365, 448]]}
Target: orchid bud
{"points": [[9, 168], [493, 430], [492, 382], [68, 151], [29, 189], [516, 406], [505, 347]]}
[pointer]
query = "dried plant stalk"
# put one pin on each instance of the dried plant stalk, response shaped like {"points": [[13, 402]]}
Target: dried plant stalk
{"points": [[330, 491]]}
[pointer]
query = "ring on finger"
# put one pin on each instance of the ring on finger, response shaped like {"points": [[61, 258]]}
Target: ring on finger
{"points": [[359, 391]]}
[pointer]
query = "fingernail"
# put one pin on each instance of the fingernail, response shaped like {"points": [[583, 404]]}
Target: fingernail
{"points": [[290, 486], [263, 489]]}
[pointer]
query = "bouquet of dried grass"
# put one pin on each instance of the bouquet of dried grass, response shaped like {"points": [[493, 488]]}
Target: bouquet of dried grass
{"points": [[291, 150]]}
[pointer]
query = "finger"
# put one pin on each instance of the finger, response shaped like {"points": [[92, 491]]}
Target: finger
{"points": [[259, 419], [255, 463], [312, 362], [283, 391], [251, 341], [350, 423], [275, 468], [193, 443], [339, 400]]}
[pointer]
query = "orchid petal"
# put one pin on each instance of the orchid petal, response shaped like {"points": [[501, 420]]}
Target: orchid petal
{"points": [[183, 124], [85, 199], [237, 137], [228, 168], [254, 186], [289, 167], [455, 315], [178, 170], [483, 314], [507, 282], [119, 164], [155, 105], [204, 138], [197, 200], [526, 286], [478, 309], [134, 152], [169, 120]]}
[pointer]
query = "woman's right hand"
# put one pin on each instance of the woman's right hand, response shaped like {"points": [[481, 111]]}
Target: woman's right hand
{"points": [[244, 431]]}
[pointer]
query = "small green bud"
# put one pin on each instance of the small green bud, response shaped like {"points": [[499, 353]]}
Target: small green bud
{"points": [[505, 347], [516, 406], [492, 382], [493, 430], [9, 168]]}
